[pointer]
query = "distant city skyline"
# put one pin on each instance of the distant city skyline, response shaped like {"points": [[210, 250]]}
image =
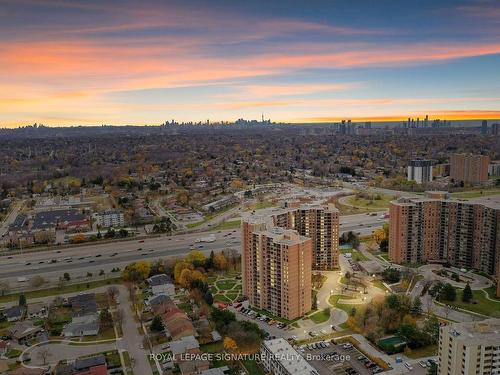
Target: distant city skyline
{"points": [[94, 62]]}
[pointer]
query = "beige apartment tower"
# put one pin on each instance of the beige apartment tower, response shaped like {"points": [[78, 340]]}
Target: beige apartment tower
{"points": [[280, 248], [465, 234], [469, 348], [468, 168]]}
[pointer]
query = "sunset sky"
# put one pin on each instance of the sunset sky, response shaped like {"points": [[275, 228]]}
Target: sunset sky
{"points": [[146, 62]]}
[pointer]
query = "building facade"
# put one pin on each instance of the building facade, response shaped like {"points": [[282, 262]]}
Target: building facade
{"points": [[280, 358], [469, 168], [420, 171], [110, 219], [469, 348], [465, 234]]}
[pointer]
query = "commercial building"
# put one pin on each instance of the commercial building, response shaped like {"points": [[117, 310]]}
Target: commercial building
{"points": [[279, 358], [109, 219], [465, 234], [494, 169], [469, 348], [420, 171], [469, 168], [280, 247]]}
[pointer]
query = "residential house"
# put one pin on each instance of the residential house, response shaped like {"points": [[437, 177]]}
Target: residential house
{"points": [[85, 320], [177, 324], [26, 371], [22, 332], [161, 284], [4, 346], [14, 313], [224, 370], [184, 353]]}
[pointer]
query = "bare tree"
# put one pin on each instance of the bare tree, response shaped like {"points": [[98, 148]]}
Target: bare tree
{"points": [[43, 354], [118, 317], [37, 281], [4, 287]]}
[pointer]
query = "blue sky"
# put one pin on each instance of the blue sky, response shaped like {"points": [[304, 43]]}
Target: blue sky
{"points": [[125, 62]]}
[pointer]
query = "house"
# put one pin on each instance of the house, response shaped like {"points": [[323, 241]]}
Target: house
{"points": [[182, 350], [82, 325], [160, 303], [14, 313], [224, 370], [37, 311], [24, 331], [109, 219], [177, 324], [95, 370], [83, 304], [161, 284], [86, 363]]}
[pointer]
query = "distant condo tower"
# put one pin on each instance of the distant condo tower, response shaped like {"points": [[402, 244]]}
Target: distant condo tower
{"points": [[420, 171]]}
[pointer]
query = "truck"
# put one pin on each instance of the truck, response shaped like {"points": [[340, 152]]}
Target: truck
{"points": [[209, 238]]}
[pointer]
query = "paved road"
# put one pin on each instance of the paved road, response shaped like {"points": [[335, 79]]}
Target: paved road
{"points": [[79, 260], [10, 217]]}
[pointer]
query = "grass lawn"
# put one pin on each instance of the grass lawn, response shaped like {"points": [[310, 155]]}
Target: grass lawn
{"points": [[492, 293], [371, 204], [230, 224], [482, 306], [379, 284], [426, 351], [252, 367], [225, 284], [210, 217], [346, 307], [64, 290], [321, 316], [213, 347], [107, 334], [221, 298], [356, 255], [13, 353], [476, 193]]}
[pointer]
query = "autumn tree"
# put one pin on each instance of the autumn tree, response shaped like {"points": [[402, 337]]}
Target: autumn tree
{"points": [[136, 271]]}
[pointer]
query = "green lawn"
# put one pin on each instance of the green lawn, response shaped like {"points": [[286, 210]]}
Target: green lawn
{"points": [[482, 306], [252, 367], [221, 298], [346, 307], [263, 204], [476, 193], [210, 216], [492, 293], [371, 204], [321, 316], [379, 284], [426, 351], [64, 290], [225, 284], [230, 224]]}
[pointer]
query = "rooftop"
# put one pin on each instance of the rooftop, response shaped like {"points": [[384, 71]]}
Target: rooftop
{"points": [[289, 358], [485, 332]]}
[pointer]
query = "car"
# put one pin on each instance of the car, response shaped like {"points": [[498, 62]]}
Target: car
{"points": [[9, 257], [141, 241], [376, 370], [28, 263], [361, 358], [91, 261], [98, 255], [422, 364], [347, 346], [295, 338], [408, 366]]}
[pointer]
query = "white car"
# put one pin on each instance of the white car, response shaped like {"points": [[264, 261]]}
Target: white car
{"points": [[408, 366], [423, 364]]}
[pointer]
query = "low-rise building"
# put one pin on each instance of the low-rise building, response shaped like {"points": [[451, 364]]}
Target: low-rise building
{"points": [[110, 219], [280, 358], [14, 313], [24, 331], [37, 311]]}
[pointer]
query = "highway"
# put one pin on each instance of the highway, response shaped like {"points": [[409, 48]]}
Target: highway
{"points": [[79, 260]]}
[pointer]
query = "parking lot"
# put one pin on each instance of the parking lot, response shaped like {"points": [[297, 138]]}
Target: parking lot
{"points": [[341, 359]]}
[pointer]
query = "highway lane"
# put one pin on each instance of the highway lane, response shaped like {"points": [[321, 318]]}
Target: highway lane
{"points": [[94, 257]]}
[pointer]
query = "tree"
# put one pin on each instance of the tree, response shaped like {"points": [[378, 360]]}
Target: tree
{"points": [[157, 324], [391, 275], [4, 287], [66, 276], [230, 345], [112, 293], [220, 262], [432, 369], [416, 308], [43, 354], [37, 281], [209, 299], [467, 294], [448, 293], [106, 319], [136, 271], [22, 300], [384, 245]]}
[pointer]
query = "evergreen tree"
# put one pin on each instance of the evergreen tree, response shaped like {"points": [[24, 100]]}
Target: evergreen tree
{"points": [[416, 307], [467, 294], [22, 300], [157, 324]]}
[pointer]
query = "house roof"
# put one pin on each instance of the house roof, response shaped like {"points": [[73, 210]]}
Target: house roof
{"points": [[160, 279], [49, 219], [91, 323], [95, 370], [85, 363], [14, 311], [22, 329], [83, 304], [181, 346]]}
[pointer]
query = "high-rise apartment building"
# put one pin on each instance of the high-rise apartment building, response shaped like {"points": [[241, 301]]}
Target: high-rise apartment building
{"points": [[420, 171], [495, 129], [469, 348], [484, 127], [469, 168], [465, 234], [280, 248]]}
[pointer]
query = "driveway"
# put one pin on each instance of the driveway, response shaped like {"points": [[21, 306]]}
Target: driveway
{"points": [[55, 352]]}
